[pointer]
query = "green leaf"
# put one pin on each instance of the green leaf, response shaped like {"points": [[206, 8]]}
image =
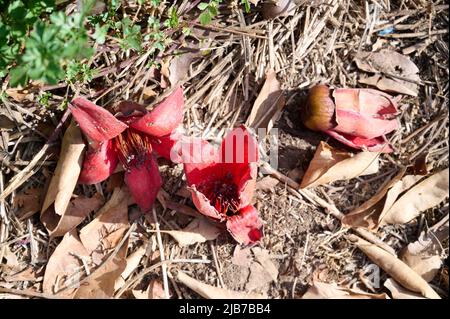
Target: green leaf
{"points": [[18, 75], [205, 18], [202, 6], [100, 33]]}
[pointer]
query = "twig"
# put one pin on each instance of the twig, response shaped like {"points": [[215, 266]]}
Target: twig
{"points": [[216, 264], [161, 252]]}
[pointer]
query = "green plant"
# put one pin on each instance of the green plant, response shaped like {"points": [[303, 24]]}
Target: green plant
{"points": [[246, 4], [209, 11]]}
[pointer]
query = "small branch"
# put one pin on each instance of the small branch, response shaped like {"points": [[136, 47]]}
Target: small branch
{"points": [[161, 252]]}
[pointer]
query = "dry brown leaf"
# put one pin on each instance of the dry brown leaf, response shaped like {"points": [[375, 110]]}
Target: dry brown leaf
{"points": [[262, 270], [198, 230], [20, 95], [392, 71], [424, 255], [267, 183], [179, 66], [399, 271], [78, 209], [65, 266], [154, 290], [322, 290], [426, 194], [27, 274], [370, 214], [330, 164], [64, 180], [278, 8], [398, 292], [90, 252], [29, 202], [133, 262], [211, 292], [263, 257], [100, 284], [241, 256], [268, 105]]}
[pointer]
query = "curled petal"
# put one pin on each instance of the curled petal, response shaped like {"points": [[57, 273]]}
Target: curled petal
{"points": [[164, 118], [246, 226], [99, 163], [365, 113], [367, 102], [203, 205], [144, 181], [96, 122], [377, 144]]}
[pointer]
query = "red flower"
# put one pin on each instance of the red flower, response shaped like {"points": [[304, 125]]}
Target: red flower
{"points": [[359, 118], [128, 138], [222, 183]]}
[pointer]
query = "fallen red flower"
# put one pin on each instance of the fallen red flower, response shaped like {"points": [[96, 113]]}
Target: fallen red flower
{"points": [[222, 183], [359, 118], [128, 138]]}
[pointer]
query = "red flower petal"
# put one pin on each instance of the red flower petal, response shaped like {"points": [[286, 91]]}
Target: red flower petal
{"points": [[366, 102], [203, 205], [239, 155], [365, 113], [167, 146], [96, 122], [239, 147], [164, 118], [144, 182], [99, 163], [246, 226], [378, 144], [199, 159]]}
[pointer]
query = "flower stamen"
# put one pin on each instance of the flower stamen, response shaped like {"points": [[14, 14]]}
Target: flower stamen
{"points": [[132, 145]]}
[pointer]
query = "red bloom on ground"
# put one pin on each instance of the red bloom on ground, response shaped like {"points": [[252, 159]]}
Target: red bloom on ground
{"points": [[128, 138], [359, 118], [222, 183]]}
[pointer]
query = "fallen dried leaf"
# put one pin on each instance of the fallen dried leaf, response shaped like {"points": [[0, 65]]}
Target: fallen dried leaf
{"points": [[65, 266], [278, 8], [394, 72], [398, 292], [424, 255], [370, 214], [322, 290], [198, 230], [263, 257], [426, 194], [330, 164], [63, 182], [404, 275], [267, 183], [268, 105], [28, 202], [154, 290], [241, 256], [91, 253], [20, 95], [27, 274], [211, 292]]}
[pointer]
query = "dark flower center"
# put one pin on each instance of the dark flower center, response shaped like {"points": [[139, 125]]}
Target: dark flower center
{"points": [[132, 146], [223, 194]]}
